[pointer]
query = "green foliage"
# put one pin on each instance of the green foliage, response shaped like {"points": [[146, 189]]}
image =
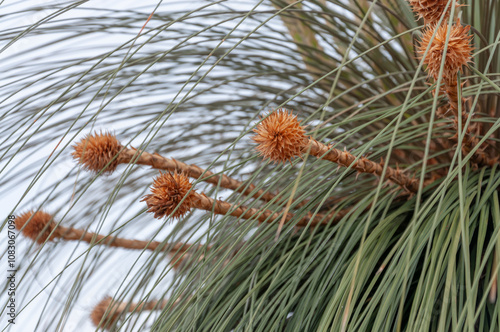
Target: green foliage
{"points": [[191, 85]]}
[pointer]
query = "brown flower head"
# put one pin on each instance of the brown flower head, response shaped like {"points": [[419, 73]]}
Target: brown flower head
{"points": [[458, 54], [430, 10], [167, 192], [39, 228], [95, 151], [280, 136], [106, 311]]}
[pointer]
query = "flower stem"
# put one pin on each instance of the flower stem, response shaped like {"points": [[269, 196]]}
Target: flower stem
{"points": [[362, 165], [159, 162], [74, 234], [220, 207]]}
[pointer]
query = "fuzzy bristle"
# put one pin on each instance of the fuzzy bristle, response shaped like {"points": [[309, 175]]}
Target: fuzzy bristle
{"points": [[280, 137], [95, 151], [458, 54], [39, 228], [430, 10], [167, 191], [106, 313]]}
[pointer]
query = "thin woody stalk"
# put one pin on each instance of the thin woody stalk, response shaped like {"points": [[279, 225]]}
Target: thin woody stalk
{"points": [[193, 171], [172, 195], [281, 138], [362, 165], [263, 216], [96, 151], [42, 228], [107, 312]]}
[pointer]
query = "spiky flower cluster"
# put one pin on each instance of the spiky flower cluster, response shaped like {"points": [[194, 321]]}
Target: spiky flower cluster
{"points": [[458, 54], [39, 228], [102, 309], [95, 151], [430, 10], [167, 192], [280, 137]]}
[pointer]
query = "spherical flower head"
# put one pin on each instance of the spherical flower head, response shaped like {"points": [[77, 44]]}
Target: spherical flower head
{"points": [[106, 312], [95, 151], [167, 192], [431, 10], [39, 228], [458, 54], [280, 137]]}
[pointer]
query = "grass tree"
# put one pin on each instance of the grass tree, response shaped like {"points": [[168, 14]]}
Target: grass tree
{"points": [[267, 166]]}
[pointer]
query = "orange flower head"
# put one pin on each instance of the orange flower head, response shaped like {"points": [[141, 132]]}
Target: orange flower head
{"points": [[430, 10], [280, 137], [39, 228], [106, 312], [95, 151], [458, 54], [167, 192]]}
